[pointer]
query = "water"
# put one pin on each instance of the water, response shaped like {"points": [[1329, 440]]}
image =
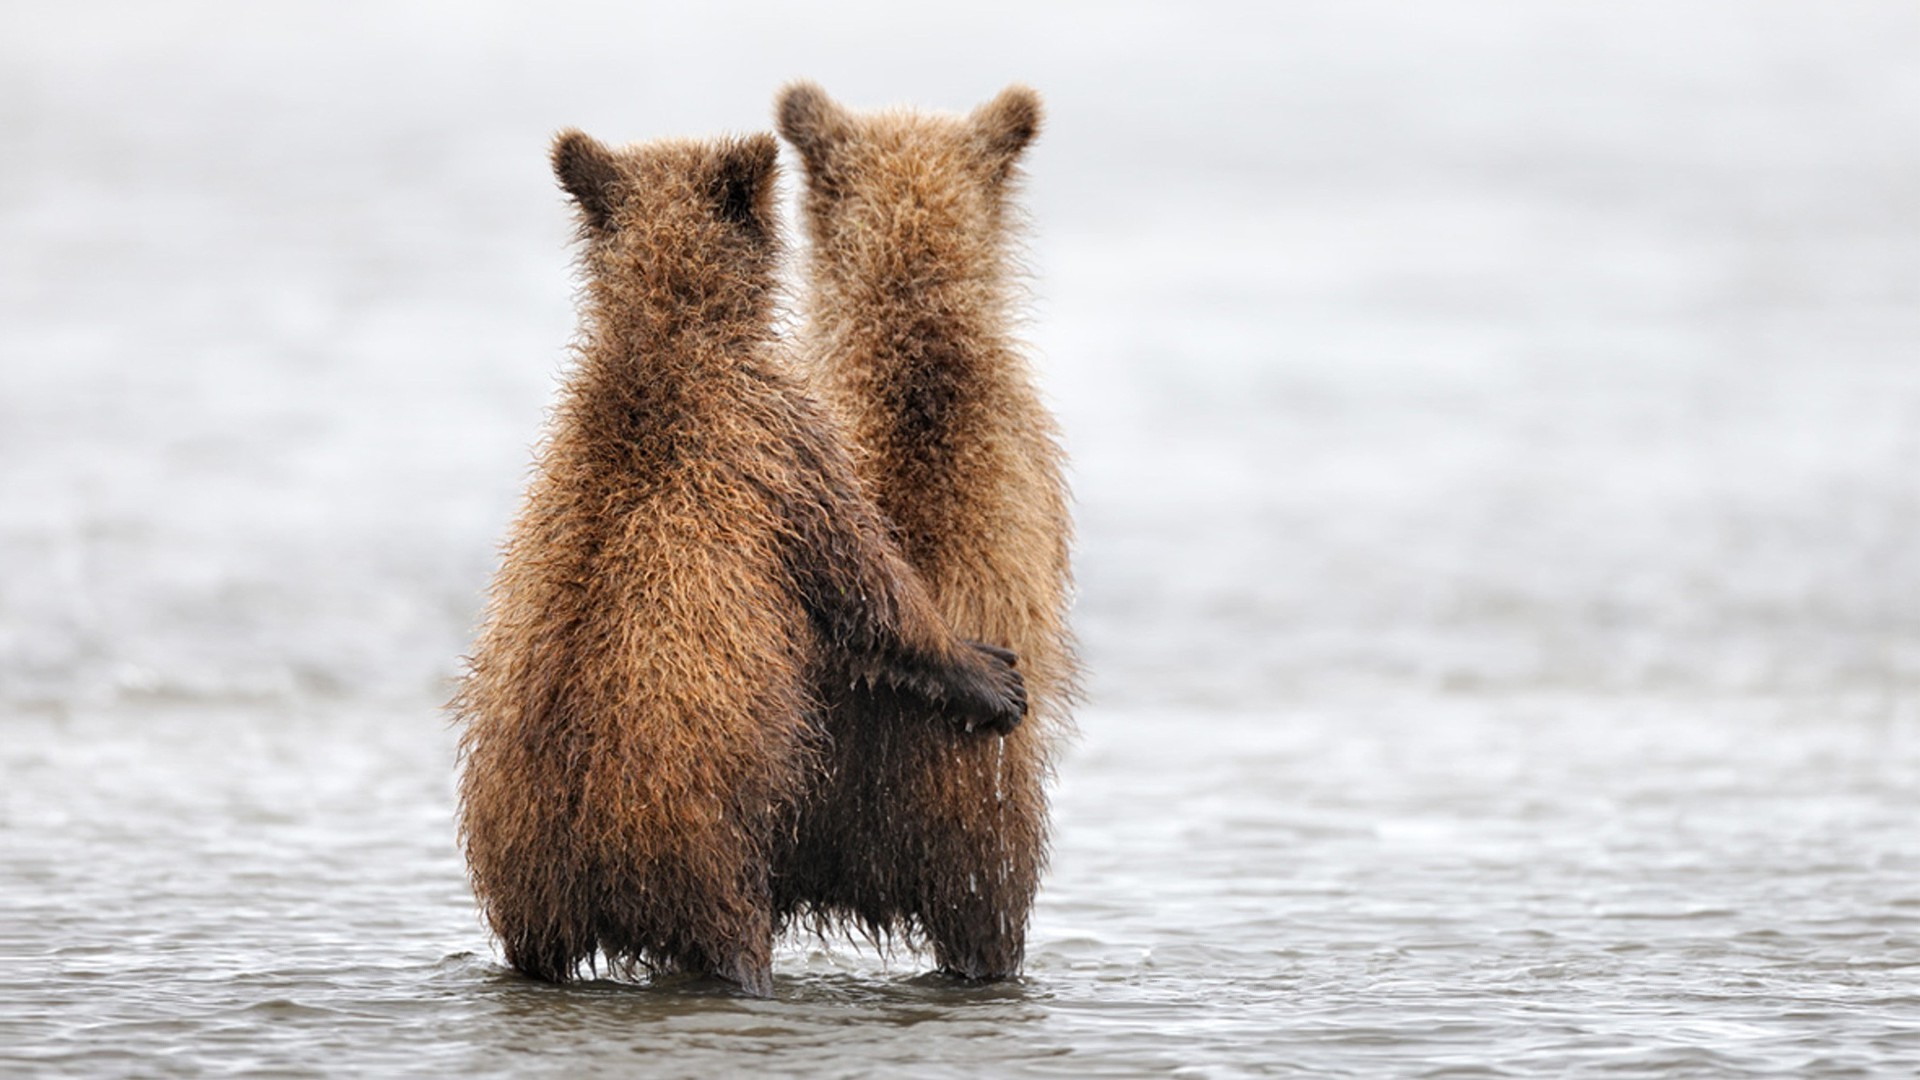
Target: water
{"points": [[1495, 432], [1551, 886]]}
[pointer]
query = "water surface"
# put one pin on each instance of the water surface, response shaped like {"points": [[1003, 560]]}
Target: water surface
{"points": [[1495, 427]]}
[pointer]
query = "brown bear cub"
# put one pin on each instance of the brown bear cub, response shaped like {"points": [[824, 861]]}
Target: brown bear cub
{"points": [[909, 336], [693, 574]]}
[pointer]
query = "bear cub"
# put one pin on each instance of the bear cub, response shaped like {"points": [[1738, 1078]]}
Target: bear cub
{"points": [[693, 575], [912, 281]]}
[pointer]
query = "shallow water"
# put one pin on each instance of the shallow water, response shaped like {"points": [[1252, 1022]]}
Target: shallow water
{"points": [[1495, 428], [1548, 886]]}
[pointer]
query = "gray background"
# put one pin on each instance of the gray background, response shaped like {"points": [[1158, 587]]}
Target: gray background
{"points": [[1495, 426]]}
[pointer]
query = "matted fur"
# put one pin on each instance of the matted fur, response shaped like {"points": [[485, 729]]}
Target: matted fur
{"points": [[908, 335], [693, 570]]}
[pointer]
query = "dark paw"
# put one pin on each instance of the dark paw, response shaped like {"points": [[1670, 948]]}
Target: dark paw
{"points": [[975, 687], [994, 696]]}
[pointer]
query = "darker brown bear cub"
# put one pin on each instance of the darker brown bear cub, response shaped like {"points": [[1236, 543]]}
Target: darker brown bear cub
{"points": [[693, 574], [909, 334]]}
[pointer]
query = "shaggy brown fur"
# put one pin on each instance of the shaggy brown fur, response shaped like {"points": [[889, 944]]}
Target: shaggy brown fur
{"points": [[693, 572], [909, 334]]}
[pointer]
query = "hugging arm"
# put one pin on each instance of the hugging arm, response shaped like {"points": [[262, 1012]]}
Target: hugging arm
{"points": [[878, 617]]}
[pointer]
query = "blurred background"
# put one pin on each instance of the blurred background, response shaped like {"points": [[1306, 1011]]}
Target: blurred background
{"points": [[1496, 436], [1404, 346]]}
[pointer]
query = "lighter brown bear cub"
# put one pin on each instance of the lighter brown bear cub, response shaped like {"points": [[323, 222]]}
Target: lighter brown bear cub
{"points": [[908, 334], [693, 573]]}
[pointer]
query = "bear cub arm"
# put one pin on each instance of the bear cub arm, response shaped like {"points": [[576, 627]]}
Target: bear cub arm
{"points": [[877, 619], [884, 631]]}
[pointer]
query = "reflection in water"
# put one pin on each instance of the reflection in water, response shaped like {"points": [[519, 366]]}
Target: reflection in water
{"points": [[818, 1019]]}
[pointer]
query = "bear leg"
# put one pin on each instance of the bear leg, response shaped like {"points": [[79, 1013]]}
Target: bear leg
{"points": [[749, 966], [975, 917], [739, 949], [982, 829]]}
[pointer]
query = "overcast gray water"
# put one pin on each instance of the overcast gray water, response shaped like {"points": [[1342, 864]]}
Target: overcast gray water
{"points": [[1497, 441]]}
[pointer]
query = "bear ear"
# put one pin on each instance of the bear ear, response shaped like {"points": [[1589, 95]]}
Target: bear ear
{"points": [[743, 182], [1004, 126], [813, 122], [589, 173]]}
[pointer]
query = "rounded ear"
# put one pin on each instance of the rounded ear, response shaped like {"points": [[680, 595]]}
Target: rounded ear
{"points": [[587, 171], [743, 182], [811, 121], [1004, 126]]}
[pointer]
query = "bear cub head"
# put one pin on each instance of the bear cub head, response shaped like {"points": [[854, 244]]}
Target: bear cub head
{"points": [[930, 188], [680, 224]]}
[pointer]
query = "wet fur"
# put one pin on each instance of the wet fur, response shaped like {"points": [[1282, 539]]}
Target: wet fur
{"points": [[909, 306], [693, 574]]}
